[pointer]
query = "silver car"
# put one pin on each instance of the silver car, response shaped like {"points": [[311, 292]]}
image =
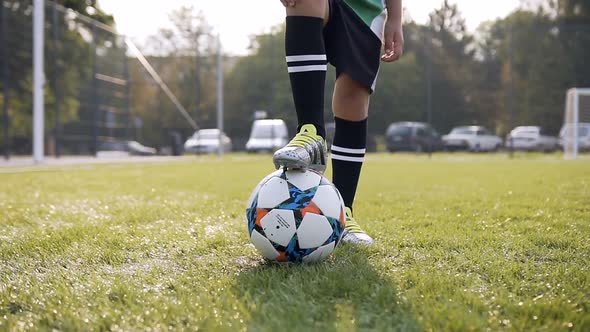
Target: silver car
{"points": [[267, 135], [567, 132], [531, 138], [471, 138], [207, 141]]}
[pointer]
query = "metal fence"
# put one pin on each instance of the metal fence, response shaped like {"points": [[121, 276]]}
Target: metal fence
{"points": [[88, 85], [87, 81]]}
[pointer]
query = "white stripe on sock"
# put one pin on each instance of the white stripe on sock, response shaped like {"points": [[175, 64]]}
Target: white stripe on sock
{"points": [[312, 57], [347, 158], [299, 69], [347, 150]]}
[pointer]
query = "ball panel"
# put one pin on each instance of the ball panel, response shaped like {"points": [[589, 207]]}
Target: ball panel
{"points": [[314, 230], [253, 197], [251, 215], [325, 181], [272, 193], [254, 194], [251, 219], [279, 226], [311, 208], [328, 200], [338, 230], [263, 245], [320, 253], [303, 180], [260, 213], [342, 217], [294, 252], [282, 257], [298, 198]]}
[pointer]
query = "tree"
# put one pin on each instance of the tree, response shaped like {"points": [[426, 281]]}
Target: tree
{"points": [[185, 58], [89, 8], [452, 62], [259, 82], [535, 73], [573, 18], [576, 10], [400, 94]]}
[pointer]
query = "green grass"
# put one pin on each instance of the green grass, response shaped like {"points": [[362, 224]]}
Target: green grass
{"points": [[464, 242]]}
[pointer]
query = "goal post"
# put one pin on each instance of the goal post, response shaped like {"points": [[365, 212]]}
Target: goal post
{"points": [[94, 110], [577, 115]]}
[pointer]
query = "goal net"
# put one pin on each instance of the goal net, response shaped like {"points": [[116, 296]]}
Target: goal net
{"points": [[575, 133]]}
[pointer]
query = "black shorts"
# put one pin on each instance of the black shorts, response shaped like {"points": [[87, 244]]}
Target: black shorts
{"points": [[351, 46]]}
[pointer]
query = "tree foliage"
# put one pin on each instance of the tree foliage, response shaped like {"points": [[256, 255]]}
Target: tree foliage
{"points": [[185, 58]]}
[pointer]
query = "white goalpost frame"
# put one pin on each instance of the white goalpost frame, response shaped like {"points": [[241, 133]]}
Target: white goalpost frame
{"points": [[573, 97], [38, 81]]}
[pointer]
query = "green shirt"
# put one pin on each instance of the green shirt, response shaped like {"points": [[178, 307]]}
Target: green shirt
{"points": [[372, 12], [367, 10]]}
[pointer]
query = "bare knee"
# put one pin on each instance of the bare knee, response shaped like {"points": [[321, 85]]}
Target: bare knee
{"points": [[312, 8], [350, 100]]}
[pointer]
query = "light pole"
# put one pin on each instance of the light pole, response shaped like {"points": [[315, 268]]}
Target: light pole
{"points": [[38, 80]]}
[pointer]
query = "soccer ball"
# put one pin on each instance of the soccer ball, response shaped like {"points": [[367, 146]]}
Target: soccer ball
{"points": [[295, 216]]}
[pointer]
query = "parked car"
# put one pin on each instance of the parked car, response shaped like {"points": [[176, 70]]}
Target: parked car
{"points": [[207, 141], [137, 149], [267, 135], [531, 138], [119, 148], [412, 136], [471, 138], [583, 135]]}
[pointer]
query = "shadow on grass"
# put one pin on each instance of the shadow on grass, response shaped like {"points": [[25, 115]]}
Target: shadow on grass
{"points": [[344, 293]]}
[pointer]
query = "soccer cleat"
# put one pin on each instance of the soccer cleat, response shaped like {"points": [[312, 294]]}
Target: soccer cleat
{"points": [[353, 233], [307, 150]]}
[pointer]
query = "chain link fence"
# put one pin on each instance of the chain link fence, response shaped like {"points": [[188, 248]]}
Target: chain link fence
{"points": [[86, 85], [90, 78]]}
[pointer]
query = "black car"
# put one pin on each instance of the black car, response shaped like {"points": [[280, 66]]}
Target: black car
{"points": [[412, 136]]}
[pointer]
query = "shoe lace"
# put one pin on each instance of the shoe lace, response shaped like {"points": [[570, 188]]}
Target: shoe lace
{"points": [[351, 224], [300, 140]]}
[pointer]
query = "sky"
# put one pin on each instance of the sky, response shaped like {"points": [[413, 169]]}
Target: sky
{"points": [[237, 20]]}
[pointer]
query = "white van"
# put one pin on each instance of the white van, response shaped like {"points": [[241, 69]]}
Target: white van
{"points": [[566, 136], [267, 135]]}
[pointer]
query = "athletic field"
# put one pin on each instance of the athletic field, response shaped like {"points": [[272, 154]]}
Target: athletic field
{"points": [[463, 242]]}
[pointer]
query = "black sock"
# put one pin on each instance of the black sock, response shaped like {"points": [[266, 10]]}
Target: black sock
{"points": [[307, 63], [348, 154]]}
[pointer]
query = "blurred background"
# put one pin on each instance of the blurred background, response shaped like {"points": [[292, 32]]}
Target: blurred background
{"points": [[142, 78]]}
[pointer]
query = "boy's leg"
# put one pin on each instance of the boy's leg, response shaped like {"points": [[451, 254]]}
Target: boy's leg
{"points": [[306, 60], [307, 65], [350, 104], [310, 8]]}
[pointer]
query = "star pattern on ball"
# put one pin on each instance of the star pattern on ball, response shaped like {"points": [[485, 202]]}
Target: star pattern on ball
{"points": [[298, 199]]}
